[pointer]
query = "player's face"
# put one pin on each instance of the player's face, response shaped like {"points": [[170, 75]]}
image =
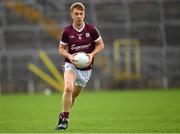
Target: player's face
{"points": [[78, 16]]}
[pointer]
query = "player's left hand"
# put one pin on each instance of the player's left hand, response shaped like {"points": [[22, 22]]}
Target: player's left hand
{"points": [[90, 58]]}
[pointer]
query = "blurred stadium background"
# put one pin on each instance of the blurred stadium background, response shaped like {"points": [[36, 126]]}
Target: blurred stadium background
{"points": [[142, 42]]}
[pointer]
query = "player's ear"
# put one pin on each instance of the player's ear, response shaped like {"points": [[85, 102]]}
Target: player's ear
{"points": [[71, 15]]}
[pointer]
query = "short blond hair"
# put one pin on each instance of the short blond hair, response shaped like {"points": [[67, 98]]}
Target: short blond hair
{"points": [[77, 5]]}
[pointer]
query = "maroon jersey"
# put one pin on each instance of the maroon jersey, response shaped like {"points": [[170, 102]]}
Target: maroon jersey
{"points": [[82, 40]]}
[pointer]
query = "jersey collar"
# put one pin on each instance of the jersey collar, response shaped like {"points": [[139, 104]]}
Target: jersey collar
{"points": [[79, 30]]}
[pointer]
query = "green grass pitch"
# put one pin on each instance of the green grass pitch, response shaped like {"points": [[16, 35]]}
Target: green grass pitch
{"points": [[137, 111]]}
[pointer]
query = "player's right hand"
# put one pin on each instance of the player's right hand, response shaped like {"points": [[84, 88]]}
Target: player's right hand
{"points": [[72, 60]]}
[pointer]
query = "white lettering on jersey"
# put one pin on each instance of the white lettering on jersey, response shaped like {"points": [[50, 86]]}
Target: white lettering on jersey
{"points": [[77, 48], [71, 36]]}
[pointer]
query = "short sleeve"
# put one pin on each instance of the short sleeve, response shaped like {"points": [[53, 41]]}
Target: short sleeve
{"points": [[95, 34], [64, 38]]}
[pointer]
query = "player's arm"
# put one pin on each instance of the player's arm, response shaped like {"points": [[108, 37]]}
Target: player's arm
{"points": [[63, 51], [99, 47], [63, 45]]}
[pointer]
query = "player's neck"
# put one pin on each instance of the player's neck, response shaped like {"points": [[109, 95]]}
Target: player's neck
{"points": [[78, 27]]}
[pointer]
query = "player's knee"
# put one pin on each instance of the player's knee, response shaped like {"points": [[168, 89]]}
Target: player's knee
{"points": [[68, 90]]}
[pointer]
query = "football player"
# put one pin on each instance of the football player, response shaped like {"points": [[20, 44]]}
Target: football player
{"points": [[77, 37]]}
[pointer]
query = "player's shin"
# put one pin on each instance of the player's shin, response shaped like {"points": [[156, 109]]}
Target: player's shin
{"points": [[67, 100]]}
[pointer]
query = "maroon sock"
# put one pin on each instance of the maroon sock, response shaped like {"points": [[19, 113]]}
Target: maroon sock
{"points": [[66, 115]]}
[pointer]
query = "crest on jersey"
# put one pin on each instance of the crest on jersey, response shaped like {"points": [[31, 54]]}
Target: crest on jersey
{"points": [[79, 36], [87, 35]]}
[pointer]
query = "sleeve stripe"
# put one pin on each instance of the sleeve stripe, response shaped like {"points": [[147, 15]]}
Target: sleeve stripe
{"points": [[63, 43], [98, 38]]}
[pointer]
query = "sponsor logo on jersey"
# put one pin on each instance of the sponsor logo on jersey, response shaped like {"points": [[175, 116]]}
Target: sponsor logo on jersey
{"points": [[82, 47], [71, 36], [87, 35]]}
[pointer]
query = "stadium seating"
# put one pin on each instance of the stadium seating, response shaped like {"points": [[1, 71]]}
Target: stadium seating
{"points": [[31, 25]]}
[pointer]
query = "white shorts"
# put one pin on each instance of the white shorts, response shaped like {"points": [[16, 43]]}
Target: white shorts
{"points": [[82, 76]]}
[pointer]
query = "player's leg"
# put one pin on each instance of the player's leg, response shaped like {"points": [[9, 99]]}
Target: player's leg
{"points": [[82, 78], [77, 90], [69, 78]]}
